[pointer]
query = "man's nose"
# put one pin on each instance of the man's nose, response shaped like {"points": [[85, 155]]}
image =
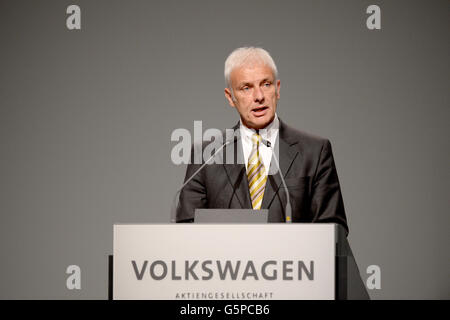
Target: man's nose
{"points": [[258, 95]]}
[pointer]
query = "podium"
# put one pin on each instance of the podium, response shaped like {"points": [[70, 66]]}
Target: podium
{"points": [[276, 261]]}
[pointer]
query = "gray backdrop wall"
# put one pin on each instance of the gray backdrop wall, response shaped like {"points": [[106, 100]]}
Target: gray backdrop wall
{"points": [[86, 118]]}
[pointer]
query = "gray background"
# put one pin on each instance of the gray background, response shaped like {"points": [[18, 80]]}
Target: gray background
{"points": [[86, 118]]}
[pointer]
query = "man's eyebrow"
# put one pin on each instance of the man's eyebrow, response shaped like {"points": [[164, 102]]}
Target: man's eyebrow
{"points": [[244, 83]]}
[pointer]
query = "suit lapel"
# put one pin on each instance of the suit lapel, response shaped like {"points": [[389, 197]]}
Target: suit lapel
{"points": [[237, 175], [287, 154]]}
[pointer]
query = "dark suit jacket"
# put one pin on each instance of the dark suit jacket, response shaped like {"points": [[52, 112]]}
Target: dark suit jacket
{"points": [[307, 164]]}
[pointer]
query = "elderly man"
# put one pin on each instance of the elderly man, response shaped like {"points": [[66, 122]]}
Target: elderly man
{"points": [[306, 161]]}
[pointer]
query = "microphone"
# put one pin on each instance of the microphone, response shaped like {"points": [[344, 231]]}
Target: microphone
{"points": [[288, 204], [173, 211]]}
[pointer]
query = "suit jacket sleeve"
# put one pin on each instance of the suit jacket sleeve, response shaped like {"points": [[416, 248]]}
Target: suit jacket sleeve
{"points": [[326, 201], [193, 195]]}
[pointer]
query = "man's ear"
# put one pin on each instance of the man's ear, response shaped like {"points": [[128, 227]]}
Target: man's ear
{"points": [[229, 97], [278, 88]]}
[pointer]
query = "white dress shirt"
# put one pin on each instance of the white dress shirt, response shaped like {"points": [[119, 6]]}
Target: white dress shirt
{"points": [[269, 133]]}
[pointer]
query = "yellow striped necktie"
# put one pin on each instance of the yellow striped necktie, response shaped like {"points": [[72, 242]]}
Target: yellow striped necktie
{"points": [[256, 174]]}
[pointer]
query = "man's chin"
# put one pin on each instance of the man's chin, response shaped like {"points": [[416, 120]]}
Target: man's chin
{"points": [[262, 122]]}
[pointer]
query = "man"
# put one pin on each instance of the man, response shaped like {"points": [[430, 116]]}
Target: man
{"points": [[306, 161]]}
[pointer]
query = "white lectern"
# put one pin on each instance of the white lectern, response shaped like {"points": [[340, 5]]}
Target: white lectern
{"points": [[233, 262]]}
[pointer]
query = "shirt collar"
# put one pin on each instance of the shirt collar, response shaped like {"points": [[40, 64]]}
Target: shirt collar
{"points": [[269, 133]]}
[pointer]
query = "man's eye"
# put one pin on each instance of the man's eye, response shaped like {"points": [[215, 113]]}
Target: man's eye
{"points": [[245, 88], [267, 84]]}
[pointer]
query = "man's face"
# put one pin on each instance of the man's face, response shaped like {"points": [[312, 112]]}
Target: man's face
{"points": [[255, 94]]}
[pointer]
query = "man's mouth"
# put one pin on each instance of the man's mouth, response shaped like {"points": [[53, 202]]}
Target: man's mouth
{"points": [[259, 111]]}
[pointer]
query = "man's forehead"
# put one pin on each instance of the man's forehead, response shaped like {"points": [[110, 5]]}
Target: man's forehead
{"points": [[252, 73]]}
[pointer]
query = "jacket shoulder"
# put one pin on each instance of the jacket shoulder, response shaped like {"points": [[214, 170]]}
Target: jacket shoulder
{"points": [[302, 138]]}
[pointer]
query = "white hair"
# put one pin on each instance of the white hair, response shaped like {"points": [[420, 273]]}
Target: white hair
{"points": [[241, 56]]}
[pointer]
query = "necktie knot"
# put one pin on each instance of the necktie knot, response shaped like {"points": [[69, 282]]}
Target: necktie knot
{"points": [[256, 139]]}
